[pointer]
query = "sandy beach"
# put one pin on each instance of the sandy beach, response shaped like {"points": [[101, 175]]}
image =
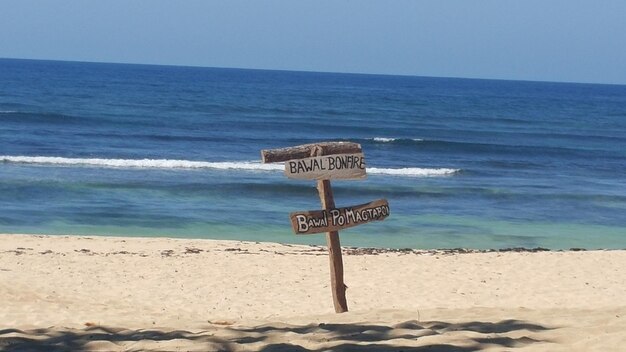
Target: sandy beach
{"points": [[117, 294]]}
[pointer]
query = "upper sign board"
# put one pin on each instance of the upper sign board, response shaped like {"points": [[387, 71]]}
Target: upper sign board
{"points": [[327, 167], [307, 150]]}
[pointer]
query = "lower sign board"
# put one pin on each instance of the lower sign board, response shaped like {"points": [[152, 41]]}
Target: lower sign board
{"points": [[316, 221], [327, 167]]}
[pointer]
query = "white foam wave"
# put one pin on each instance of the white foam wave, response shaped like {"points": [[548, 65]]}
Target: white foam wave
{"points": [[7, 111], [389, 140], [412, 171], [142, 163], [188, 164]]}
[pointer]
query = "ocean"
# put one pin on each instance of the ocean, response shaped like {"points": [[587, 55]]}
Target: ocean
{"points": [[145, 150]]}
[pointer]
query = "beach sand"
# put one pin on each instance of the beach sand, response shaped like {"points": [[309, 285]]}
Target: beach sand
{"points": [[120, 293]]}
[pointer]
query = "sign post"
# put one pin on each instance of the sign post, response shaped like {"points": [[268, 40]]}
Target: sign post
{"points": [[323, 162]]}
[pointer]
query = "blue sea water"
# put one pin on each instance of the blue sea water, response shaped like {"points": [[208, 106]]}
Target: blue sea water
{"points": [[142, 150]]}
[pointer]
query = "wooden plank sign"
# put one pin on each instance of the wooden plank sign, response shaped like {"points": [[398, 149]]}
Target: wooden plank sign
{"points": [[306, 150], [324, 161], [316, 221], [327, 167]]}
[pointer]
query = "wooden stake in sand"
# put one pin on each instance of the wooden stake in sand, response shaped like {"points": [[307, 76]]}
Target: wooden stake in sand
{"points": [[323, 162]]}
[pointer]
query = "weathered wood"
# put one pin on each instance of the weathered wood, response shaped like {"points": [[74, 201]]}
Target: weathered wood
{"points": [[305, 151], [334, 219], [327, 167], [337, 286]]}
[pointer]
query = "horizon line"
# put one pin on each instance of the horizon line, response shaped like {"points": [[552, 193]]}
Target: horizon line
{"points": [[310, 71]]}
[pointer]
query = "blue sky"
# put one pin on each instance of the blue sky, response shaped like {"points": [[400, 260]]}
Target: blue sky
{"points": [[572, 41]]}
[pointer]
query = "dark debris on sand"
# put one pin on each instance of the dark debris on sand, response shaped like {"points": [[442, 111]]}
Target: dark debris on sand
{"points": [[377, 251]]}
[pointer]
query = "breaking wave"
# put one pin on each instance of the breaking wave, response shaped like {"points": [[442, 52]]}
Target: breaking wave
{"points": [[390, 140], [189, 164], [141, 163], [412, 171]]}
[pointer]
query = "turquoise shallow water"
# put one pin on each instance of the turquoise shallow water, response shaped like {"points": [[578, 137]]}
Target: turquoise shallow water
{"points": [[141, 150]]}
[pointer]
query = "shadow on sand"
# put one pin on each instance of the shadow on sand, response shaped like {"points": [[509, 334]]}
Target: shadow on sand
{"points": [[408, 336]]}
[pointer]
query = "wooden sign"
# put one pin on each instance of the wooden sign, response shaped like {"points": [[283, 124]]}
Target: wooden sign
{"points": [[308, 150], [335, 219], [322, 162], [327, 167]]}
